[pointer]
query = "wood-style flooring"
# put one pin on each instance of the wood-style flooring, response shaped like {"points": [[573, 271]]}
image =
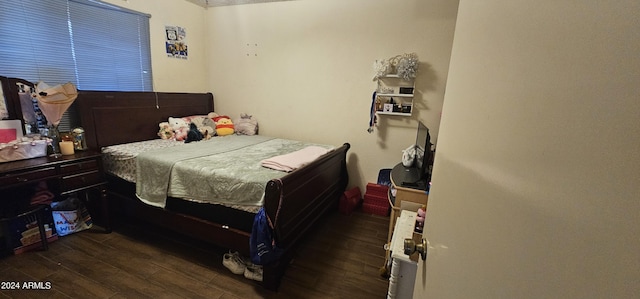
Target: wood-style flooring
{"points": [[340, 258]]}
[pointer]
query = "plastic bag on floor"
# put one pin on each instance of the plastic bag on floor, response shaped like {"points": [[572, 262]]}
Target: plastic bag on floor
{"points": [[70, 216]]}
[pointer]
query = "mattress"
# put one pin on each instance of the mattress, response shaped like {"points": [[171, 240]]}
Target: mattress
{"points": [[234, 173]]}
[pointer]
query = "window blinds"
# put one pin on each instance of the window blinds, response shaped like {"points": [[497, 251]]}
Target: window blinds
{"points": [[95, 45]]}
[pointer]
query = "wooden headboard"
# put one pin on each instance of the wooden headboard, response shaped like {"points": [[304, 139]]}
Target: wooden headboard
{"points": [[110, 117]]}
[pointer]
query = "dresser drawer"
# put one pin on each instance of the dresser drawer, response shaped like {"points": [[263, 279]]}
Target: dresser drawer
{"points": [[79, 181], [27, 176], [78, 167]]}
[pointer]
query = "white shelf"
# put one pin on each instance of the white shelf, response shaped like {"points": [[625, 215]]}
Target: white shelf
{"points": [[391, 86], [394, 113], [397, 95]]}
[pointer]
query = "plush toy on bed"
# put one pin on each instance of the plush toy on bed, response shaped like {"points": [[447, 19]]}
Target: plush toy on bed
{"points": [[166, 132], [180, 127], [246, 125], [205, 125], [193, 134], [224, 125]]}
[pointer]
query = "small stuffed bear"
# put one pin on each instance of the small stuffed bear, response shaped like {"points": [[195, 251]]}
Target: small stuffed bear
{"points": [[246, 125], [193, 134], [165, 132], [224, 125], [180, 127]]}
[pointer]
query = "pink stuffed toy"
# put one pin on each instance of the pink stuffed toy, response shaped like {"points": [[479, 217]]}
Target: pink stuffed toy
{"points": [[422, 212], [180, 128]]}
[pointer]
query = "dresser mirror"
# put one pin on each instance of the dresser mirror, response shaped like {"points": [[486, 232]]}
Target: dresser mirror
{"points": [[19, 103], [4, 105]]}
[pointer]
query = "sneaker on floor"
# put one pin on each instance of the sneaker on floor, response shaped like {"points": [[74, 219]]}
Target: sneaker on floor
{"points": [[253, 272], [234, 262]]}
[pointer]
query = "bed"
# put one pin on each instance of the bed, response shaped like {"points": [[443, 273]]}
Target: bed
{"points": [[299, 198]]}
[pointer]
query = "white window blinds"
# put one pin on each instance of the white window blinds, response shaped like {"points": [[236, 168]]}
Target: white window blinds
{"points": [[95, 45]]}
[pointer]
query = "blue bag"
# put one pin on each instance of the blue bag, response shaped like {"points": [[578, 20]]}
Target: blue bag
{"points": [[262, 247]]}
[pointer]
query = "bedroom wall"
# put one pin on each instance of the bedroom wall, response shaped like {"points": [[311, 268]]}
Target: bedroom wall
{"points": [[304, 70], [171, 74]]}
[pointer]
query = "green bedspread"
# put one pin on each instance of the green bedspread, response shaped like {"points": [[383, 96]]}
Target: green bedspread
{"points": [[223, 170]]}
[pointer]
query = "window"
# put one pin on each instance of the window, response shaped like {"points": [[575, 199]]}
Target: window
{"points": [[95, 45]]}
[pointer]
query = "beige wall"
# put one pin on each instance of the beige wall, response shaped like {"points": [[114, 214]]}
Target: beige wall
{"points": [[171, 74], [304, 68]]}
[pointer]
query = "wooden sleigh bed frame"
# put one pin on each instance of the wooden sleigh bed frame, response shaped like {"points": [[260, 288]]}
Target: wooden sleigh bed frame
{"points": [[304, 195]]}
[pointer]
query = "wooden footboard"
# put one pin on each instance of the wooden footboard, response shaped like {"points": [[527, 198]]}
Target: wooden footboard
{"points": [[297, 201]]}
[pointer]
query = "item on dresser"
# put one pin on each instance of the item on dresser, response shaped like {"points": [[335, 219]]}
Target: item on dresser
{"points": [[66, 148], [54, 101], [24, 148], [10, 130], [79, 141]]}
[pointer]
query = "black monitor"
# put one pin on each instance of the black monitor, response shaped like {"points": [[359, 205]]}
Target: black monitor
{"points": [[424, 155]]}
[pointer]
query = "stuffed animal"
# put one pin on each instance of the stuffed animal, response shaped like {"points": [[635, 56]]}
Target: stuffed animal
{"points": [[408, 156], [209, 127], [180, 127], [422, 212], [224, 125], [193, 134], [246, 125], [205, 125], [165, 132]]}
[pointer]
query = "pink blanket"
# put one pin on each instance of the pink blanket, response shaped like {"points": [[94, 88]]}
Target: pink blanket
{"points": [[292, 161]]}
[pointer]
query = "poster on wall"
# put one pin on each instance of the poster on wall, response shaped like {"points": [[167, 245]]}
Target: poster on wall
{"points": [[176, 44]]}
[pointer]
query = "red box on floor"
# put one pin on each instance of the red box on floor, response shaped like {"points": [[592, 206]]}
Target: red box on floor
{"points": [[376, 199], [375, 189], [350, 200], [375, 209]]}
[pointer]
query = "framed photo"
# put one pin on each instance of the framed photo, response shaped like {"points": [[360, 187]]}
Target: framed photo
{"points": [[387, 108], [10, 130]]}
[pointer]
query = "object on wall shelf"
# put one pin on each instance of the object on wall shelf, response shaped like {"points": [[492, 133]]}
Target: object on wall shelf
{"points": [[404, 66], [394, 96], [396, 84]]}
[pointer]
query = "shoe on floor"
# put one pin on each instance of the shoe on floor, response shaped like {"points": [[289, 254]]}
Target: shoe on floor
{"points": [[234, 262], [253, 272]]}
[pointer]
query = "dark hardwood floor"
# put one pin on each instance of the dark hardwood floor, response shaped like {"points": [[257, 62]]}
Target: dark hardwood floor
{"points": [[340, 258]]}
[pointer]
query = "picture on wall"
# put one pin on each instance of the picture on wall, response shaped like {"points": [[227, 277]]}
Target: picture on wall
{"points": [[176, 43]]}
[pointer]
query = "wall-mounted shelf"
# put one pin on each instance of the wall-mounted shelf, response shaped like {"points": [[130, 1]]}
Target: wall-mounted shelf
{"points": [[394, 113], [394, 96]]}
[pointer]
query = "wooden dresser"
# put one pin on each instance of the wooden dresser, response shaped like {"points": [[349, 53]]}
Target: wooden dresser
{"points": [[81, 172]]}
